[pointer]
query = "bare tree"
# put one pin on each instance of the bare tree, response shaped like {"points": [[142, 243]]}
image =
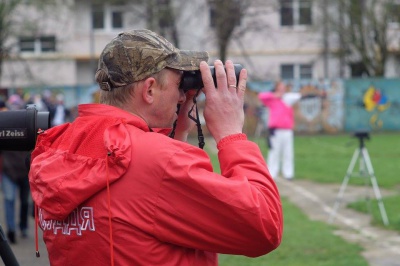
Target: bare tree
{"points": [[233, 19], [13, 23], [225, 16], [6, 23], [362, 28]]}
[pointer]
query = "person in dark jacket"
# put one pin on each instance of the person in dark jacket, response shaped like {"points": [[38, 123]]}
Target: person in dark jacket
{"points": [[15, 180]]}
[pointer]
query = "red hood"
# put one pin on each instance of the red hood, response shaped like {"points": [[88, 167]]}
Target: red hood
{"points": [[62, 176]]}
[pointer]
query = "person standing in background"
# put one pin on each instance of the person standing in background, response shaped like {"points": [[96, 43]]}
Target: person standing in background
{"points": [[61, 113], [48, 100], [15, 179], [280, 129]]}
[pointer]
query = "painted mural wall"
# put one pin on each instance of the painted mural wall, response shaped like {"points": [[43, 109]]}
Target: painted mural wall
{"points": [[346, 105], [321, 107], [372, 104], [319, 110]]}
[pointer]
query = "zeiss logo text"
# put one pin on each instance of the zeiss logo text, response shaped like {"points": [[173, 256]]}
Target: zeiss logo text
{"points": [[13, 133]]}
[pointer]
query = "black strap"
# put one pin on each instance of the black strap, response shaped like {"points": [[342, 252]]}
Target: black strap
{"points": [[172, 134], [196, 119]]}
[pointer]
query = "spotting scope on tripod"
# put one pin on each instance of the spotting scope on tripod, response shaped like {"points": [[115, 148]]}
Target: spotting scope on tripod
{"points": [[365, 170]]}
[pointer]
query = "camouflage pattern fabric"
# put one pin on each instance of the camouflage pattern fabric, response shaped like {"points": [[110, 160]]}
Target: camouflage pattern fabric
{"points": [[137, 54]]}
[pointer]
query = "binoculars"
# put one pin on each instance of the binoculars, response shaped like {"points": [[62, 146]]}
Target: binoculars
{"points": [[191, 80]]}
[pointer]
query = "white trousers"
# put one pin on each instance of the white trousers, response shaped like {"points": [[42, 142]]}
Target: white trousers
{"points": [[280, 155]]}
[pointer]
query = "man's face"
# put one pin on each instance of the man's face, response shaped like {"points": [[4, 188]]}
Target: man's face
{"points": [[168, 96]]}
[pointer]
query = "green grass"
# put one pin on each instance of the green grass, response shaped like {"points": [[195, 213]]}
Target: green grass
{"points": [[391, 205], [305, 243], [325, 159]]}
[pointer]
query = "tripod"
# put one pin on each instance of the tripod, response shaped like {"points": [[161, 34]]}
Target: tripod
{"points": [[365, 170], [6, 253]]}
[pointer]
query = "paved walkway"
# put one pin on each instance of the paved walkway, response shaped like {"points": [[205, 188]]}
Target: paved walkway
{"points": [[24, 250], [382, 247]]}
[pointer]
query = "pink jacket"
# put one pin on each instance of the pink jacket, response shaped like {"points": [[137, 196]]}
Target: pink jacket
{"points": [[280, 109], [110, 189]]}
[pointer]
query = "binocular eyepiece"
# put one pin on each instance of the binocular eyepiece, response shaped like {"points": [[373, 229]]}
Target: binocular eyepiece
{"points": [[191, 80]]}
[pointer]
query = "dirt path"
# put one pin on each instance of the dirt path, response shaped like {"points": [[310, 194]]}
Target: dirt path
{"points": [[382, 247]]}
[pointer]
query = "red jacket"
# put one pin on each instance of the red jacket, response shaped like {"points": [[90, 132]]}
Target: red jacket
{"points": [[165, 205]]}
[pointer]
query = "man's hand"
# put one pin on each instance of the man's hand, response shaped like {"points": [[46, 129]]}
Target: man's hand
{"points": [[223, 109]]}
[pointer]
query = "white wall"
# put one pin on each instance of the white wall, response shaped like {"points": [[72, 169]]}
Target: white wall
{"points": [[35, 72]]}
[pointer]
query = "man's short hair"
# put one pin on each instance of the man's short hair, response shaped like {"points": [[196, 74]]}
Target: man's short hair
{"points": [[137, 54]]}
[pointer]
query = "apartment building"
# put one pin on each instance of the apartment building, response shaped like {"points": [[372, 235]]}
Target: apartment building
{"points": [[276, 39]]}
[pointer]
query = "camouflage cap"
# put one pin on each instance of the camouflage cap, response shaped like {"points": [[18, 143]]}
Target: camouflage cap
{"points": [[137, 54]]}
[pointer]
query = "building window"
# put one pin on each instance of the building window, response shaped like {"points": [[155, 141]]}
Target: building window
{"points": [[305, 71], [287, 71], [394, 13], [296, 71], [107, 17], [296, 12], [117, 19], [305, 12], [47, 43], [27, 44], [97, 17], [42, 44], [358, 69], [287, 12]]}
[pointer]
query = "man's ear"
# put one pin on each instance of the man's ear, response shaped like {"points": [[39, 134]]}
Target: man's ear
{"points": [[148, 90]]}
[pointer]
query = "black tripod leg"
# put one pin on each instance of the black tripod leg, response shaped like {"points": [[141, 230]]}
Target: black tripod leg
{"points": [[5, 251]]}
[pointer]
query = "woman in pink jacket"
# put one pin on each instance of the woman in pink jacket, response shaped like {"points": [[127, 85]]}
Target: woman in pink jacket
{"points": [[280, 127]]}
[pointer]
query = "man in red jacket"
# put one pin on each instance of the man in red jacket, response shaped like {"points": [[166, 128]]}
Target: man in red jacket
{"points": [[114, 187]]}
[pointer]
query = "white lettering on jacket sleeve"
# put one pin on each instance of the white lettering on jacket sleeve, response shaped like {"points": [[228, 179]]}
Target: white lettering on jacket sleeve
{"points": [[87, 218], [80, 219]]}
